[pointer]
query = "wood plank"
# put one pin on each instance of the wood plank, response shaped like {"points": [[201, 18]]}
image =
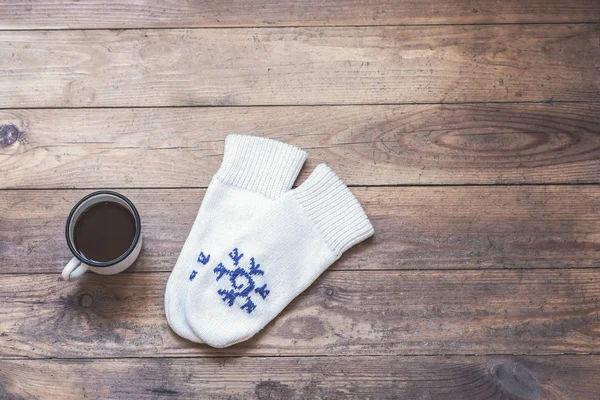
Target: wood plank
{"points": [[474, 378], [415, 228], [342, 313], [292, 66], [60, 14], [367, 145]]}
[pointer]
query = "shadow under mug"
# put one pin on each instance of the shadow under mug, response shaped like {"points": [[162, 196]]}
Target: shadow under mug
{"points": [[79, 264]]}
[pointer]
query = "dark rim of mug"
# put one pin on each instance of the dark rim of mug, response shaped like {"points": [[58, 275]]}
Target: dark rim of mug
{"points": [[138, 228]]}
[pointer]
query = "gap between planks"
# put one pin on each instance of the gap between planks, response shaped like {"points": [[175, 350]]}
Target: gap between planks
{"points": [[400, 185], [307, 105], [399, 270], [165, 28], [408, 355]]}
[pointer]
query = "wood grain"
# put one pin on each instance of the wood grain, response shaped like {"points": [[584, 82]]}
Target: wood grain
{"points": [[457, 283], [415, 228], [366, 145], [274, 66], [342, 313], [57, 14], [291, 378]]}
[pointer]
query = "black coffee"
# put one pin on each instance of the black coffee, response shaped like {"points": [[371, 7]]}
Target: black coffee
{"points": [[104, 231]]}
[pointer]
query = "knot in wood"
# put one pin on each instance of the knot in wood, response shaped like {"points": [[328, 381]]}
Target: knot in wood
{"points": [[9, 134], [517, 381], [86, 301]]}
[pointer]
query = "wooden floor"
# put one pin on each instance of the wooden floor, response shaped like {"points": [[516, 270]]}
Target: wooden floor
{"points": [[469, 130]]}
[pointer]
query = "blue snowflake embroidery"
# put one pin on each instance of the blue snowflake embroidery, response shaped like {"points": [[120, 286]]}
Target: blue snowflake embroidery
{"points": [[241, 282], [235, 256], [193, 275], [203, 258]]}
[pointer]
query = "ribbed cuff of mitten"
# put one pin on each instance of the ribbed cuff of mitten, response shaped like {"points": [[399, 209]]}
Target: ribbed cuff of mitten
{"points": [[334, 210], [261, 165]]}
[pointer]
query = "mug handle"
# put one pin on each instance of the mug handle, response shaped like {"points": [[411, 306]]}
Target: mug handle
{"points": [[74, 269]]}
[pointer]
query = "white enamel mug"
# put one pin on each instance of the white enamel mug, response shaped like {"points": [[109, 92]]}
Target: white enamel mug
{"points": [[79, 264]]}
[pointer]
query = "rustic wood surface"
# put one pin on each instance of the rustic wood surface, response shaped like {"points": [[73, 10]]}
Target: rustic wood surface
{"points": [[367, 145], [469, 130], [342, 313], [416, 228], [293, 378], [57, 14], [291, 66]]}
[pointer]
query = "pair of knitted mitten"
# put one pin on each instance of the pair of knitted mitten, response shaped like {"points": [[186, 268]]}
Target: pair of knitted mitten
{"points": [[255, 244]]}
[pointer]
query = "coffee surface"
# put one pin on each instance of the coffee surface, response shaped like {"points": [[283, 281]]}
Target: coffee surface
{"points": [[104, 231]]}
